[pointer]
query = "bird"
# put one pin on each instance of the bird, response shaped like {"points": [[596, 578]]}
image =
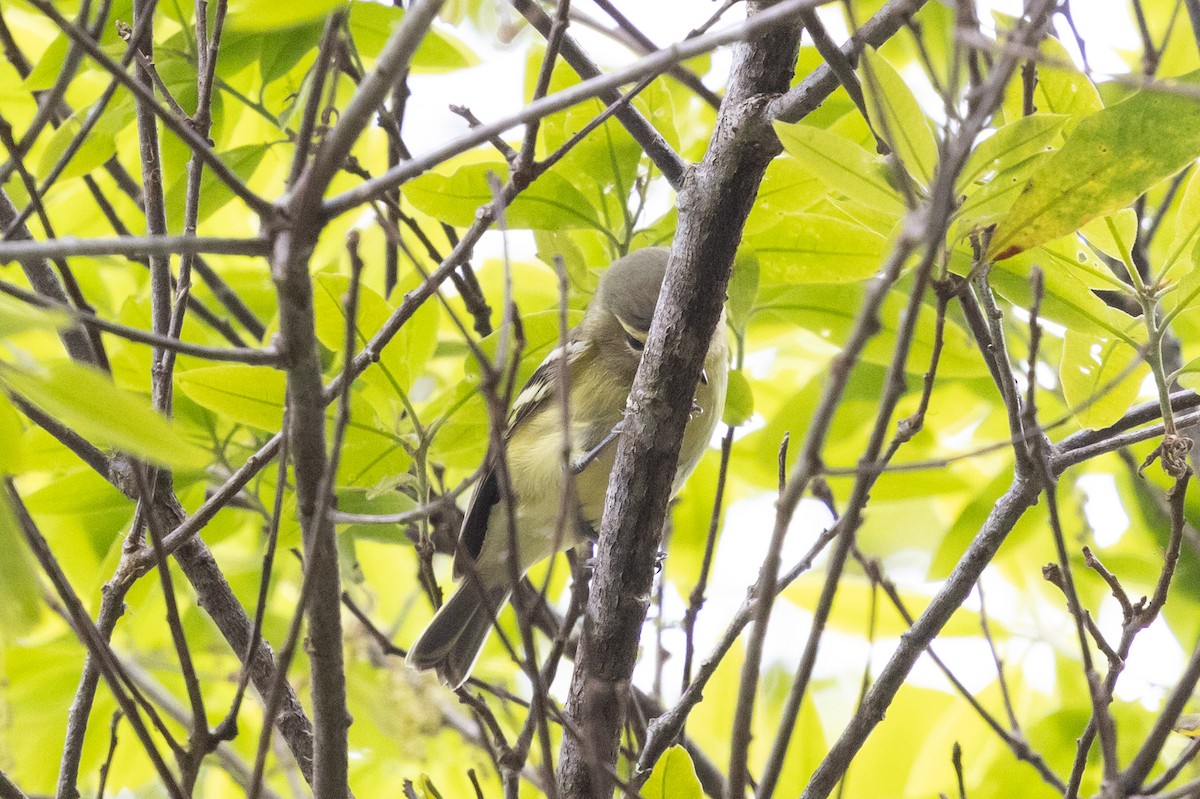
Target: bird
{"points": [[602, 355]]}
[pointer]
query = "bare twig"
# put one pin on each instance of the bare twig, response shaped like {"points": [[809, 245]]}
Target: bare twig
{"points": [[9, 789], [92, 638], [112, 750], [655, 146], [265, 357], [135, 246], [653, 64], [197, 144]]}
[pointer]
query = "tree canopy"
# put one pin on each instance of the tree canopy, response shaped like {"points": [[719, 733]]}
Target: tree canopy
{"points": [[259, 327]]}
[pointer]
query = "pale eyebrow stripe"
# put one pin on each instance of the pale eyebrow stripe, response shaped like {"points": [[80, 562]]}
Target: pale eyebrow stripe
{"points": [[640, 335]]}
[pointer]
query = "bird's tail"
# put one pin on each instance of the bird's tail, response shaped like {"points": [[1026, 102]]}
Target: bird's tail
{"points": [[455, 635]]}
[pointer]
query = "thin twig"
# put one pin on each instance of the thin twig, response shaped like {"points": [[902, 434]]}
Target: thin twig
{"points": [[253, 357], [135, 246], [653, 64], [197, 144]]}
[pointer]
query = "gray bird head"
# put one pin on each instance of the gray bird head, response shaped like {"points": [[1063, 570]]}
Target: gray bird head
{"points": [[629, 289]]}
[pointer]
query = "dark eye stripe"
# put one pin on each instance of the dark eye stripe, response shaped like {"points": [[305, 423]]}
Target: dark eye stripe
{"points": [[634, 342]]}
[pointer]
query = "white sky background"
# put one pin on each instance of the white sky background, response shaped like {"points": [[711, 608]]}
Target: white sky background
{"points": [[494, 87]]}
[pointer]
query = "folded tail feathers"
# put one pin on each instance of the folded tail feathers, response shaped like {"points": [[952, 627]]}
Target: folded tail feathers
{"points": [[451, 643]]}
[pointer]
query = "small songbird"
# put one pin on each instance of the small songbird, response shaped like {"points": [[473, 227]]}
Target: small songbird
{"points": [[602, 355]]}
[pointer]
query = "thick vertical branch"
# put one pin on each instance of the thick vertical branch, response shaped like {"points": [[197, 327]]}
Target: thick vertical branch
{"points": [[292, 247], [714, 202], [307, 433]]}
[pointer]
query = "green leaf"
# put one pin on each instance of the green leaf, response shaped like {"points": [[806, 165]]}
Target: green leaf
{"points": [[1187, 224], [739, 399], [842, 165], [828, 311], [1104, 166], [786, 188], [1011, 145], [405, 358], [1060, 87], [214, 192], [603, 166], [1100, 378], [1067, 300], [1113, 235], [742, 290], [285, 49], [94, 151], [550, 203], [19, 606], [673, 777], [271, 15], [12, 438], [1063, 90], [1186, 293], [17, 317], [48, 68], [992, 201], [87, 402], [896, 117], [251, 395], [371, 24], [1189, 375], [809, 248]]}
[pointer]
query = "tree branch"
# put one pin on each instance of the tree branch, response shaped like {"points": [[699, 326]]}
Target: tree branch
{"points": [[655, 146], [198, 145], [653, 64], [131, 247], [714, 202], [265, 357]]}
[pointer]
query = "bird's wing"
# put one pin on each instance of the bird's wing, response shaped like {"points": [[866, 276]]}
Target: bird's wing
{"points": [[543, 383], [539, 390]]}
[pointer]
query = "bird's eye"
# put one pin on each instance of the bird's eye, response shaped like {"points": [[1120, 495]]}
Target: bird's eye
{"points": [[635, 343]]}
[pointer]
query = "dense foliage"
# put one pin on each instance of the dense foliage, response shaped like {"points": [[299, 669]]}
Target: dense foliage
{"points": [[1058, 294]]}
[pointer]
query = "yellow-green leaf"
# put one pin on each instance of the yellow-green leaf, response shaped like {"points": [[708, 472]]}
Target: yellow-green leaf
{"points": [[842, 165], [12, 439], [92, 152], [1010, 145], [372, 23], [739, 399], [1104, 166], [251, 395], [1113, 235], [87, 402], [1189, 375], [673, 777], [810, 248], [17, 317], [1100, 378], [550, 203], [1187, 224], [271, 15], [405, 357], [1067, 300], [742, 290], [896, 116], [19, 599], [1060, 88]]}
